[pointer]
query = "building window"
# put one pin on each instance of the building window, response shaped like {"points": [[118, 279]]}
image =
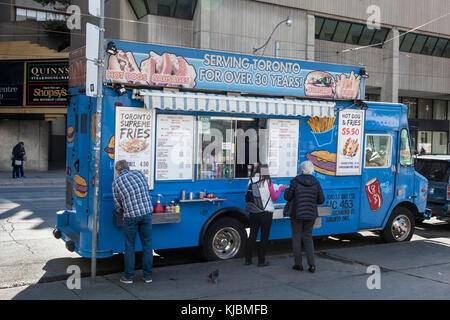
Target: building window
{"points": [[36, 15], [366, 36], [439, 145], [346, 32], [354, 33], [413, 134], [21, 14], [411, 103], [429, 45], [341, 31], [448, 110], [372, 97], [328, 28], [424, 143], [181, 9], [406, 42], [422, 44], [439, 109], [425, 109]]}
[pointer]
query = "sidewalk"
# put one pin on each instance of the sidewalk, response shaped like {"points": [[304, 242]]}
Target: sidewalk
{"points": [[418, 270], [52, 177]]}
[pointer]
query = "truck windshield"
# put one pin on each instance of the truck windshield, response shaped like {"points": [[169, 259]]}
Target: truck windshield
{"points": [[405, 150]]}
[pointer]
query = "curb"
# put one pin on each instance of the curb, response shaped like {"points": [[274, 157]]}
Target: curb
{"points": [[31, 183]]}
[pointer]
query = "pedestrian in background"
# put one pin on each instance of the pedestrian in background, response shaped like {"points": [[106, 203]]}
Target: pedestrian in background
{"points": [[306, 193], [132, 199], [18, 156], [263, 220]]}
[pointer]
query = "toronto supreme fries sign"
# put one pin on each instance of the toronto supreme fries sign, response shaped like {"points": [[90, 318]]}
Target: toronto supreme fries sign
{"points": [[160, 66], [134, 139]]}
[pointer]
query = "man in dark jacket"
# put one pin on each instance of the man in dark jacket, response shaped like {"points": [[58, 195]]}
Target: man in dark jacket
{"points": [[17, 160], [306, 193]]}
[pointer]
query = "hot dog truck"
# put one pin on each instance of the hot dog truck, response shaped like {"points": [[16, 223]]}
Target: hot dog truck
{"points": [[195, 122]]}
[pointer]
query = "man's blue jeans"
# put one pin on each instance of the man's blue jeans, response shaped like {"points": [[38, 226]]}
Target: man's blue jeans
{"points": [[131, 226]]}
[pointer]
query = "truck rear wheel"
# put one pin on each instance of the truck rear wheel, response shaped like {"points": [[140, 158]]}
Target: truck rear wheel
{"points": [[400, 226], [224, 239]]}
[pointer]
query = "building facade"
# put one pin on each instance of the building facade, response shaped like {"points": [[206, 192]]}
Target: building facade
{"points": [[404, 44], [33, 82]]}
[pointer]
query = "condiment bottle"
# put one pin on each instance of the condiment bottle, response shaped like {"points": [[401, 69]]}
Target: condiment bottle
{"points": [[158, 208]]}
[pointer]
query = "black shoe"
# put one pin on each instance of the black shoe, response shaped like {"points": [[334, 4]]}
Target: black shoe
{"points": [[312, 268], [297, 267], [247, 263], [263, 264]]}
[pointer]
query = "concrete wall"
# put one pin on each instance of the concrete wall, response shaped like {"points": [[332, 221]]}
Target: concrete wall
{"points": [[424, 73], [240, 25], [371, 58], [34, 134], [402, 13]]}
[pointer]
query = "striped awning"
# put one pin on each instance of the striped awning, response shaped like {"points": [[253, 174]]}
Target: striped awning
{"points": [[192, 101]]}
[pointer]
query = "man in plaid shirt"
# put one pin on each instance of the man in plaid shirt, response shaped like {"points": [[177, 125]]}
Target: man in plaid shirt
{"points": [[131, 198]]}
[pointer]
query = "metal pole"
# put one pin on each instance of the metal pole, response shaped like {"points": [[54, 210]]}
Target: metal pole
{"points": [[101, 57]]}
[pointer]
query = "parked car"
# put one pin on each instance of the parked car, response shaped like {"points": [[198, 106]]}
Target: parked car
{"points": [[436, 168]]}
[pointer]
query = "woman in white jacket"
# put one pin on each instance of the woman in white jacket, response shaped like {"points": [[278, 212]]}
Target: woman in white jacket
{"points": [[269, 193]]}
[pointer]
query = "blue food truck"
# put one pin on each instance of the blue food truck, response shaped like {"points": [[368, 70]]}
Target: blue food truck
{"points": [[195, 122]]}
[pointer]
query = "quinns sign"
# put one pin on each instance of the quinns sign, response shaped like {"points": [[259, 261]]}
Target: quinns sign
{"points": [[159, 66]]}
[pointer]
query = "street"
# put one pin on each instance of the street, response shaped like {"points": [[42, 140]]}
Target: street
{"points": [[30, 254]]}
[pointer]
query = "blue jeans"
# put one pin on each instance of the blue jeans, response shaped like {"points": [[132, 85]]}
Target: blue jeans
{"points": [[17, 171], [131, 226]]}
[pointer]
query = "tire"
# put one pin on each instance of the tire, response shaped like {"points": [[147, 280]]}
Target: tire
{"points": [[418, 220], [224, 239], [400, 226]]}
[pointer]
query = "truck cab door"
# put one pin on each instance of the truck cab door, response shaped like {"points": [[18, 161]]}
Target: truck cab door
{"points": [[405, 173], [378, 177]]}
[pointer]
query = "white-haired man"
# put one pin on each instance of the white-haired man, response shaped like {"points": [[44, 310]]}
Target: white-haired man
{"points": [[306, 193]]}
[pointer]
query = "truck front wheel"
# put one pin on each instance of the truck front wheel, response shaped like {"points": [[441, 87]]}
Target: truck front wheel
{"points": [[400, 226], [224, 239]]}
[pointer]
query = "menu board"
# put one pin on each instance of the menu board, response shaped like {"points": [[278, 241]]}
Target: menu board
{"points": [[283, 147], [174, 147], [350, 142], [134, 139]]}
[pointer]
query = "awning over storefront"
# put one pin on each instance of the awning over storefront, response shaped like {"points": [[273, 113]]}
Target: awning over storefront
{"points": [[192, 101]]}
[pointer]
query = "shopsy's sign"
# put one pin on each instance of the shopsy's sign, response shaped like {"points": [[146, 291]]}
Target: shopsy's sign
{"points": [[153, 65], [47, 83]]}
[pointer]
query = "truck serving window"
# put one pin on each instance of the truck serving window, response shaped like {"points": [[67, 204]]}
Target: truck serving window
{"points": [[405, 150], [216, 156], [378, 151], [228, 146]]}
